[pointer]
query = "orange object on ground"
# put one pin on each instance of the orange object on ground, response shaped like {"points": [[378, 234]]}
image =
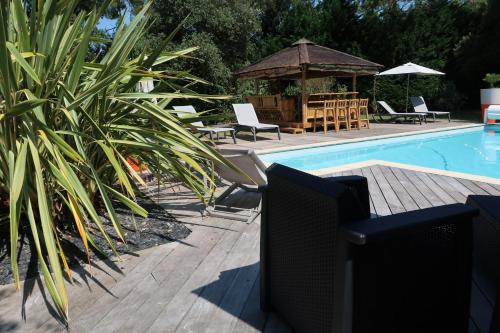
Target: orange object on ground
{"points": [[135, 164]]}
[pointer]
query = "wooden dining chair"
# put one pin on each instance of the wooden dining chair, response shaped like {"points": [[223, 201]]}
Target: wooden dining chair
{"points": [[318, 113], [330, 111], [363, 112], [342, 114], [354, 119]]}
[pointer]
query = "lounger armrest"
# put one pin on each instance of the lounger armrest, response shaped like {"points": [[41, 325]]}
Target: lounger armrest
{"points": [[359, 185], [383, 228]]}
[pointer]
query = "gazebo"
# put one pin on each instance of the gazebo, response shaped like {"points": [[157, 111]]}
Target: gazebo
{"points": [[305, 60]]}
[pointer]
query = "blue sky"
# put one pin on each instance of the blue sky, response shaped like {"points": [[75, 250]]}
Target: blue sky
{"points": [[110, 24], [106, 23]]}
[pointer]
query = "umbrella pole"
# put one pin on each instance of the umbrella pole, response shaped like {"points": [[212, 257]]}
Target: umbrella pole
{"points": [[407, 90]]}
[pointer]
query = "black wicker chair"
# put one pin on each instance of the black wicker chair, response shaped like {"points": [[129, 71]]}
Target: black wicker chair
{"points": [[486, 258], [327, 267]]}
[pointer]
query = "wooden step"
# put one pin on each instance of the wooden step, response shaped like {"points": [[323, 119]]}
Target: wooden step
{"points": [[293, 130]]}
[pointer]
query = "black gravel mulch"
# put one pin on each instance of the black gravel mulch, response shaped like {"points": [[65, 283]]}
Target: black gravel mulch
{"points": [[140, 233]]}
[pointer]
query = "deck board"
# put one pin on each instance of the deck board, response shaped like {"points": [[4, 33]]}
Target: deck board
{"points": [[184, 298], [213, 289], [426, 188], [399, 190], [435, 187], [161, 283], [251, 319], [379, 203], [391, 198], [209, 282], [420, 199]]}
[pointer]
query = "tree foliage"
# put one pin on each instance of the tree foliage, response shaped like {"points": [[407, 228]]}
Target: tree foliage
{"points": [[434, 33], [459, 37], [224, 31]]}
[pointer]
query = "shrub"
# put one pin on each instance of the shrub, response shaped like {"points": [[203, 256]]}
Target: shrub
{"points": [[68, 126], [492, 79]]}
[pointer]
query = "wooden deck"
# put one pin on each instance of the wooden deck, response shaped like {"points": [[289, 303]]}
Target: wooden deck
{"points": [[209, 281]]}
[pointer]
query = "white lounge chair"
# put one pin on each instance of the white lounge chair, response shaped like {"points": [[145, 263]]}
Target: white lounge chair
{"points": [[211, 131], [251, 178], [395, 115], [420, 107], [247, 119]]}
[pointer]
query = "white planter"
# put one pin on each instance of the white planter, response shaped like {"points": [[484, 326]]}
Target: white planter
{"points": [[490, 96]]}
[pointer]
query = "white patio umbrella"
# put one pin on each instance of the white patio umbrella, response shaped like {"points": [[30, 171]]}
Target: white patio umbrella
{"points": [[407, 69]]}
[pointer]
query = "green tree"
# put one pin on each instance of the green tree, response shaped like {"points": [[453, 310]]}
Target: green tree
{"points": [[224, 31], [388, 32], [478, 52], [442, 34], [284, 22]]}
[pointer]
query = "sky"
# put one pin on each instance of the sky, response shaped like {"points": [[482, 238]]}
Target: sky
{"points": [[110, 24], [107, 24]]}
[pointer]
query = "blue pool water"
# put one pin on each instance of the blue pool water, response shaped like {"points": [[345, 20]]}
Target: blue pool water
{"points": [[473, 150]]}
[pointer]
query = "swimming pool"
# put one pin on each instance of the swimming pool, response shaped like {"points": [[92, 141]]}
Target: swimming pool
{"points": [[474, 150]]}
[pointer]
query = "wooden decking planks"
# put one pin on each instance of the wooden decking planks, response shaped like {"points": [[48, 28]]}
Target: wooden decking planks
{"points": [[209, 282], [158, 285], [211, 291]]}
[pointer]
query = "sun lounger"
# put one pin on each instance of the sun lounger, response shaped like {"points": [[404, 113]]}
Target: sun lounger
{"points": [[395, 115], [211, 131], [326, 266], [252, 178], [247, 119], [420, 107]]}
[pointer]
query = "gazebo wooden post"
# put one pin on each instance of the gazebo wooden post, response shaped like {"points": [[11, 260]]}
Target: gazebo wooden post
{"points": [[303, 87], [354, 82], [256, 86]]}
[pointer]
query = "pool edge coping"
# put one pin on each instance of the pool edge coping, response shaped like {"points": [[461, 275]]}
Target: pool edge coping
{"points": [[375, 137]]}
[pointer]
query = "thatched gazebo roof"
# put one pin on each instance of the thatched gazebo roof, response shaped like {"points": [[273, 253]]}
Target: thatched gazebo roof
{"points": [[317, 61]]}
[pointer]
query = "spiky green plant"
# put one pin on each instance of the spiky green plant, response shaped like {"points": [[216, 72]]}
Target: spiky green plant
{"points": [[67, 127]]}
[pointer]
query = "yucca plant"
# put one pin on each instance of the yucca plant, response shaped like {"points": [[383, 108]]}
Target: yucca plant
{"points": [[68, 126]]}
